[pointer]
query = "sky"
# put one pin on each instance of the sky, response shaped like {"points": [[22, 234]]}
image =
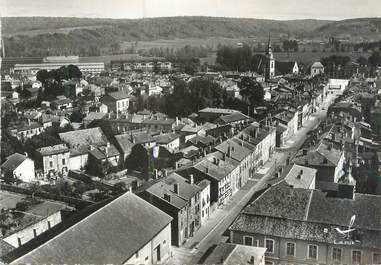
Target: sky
{"points": [[265, 9]]}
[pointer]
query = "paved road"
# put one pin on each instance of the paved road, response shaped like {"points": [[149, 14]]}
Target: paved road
{"points": [[212, 232]]}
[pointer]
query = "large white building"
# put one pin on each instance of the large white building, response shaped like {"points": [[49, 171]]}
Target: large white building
{"points": [[32, 69]]}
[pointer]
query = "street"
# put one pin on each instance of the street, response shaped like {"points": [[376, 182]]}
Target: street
{"points": [[212, 232]]}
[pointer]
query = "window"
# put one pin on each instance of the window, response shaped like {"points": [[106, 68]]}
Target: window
{"points": [[50, 163], [356, 257], [63, 161], [290, 249], [312, 251], [146, 258], [336, 254], [256, 243], [248, 240], [376, 258], [269, 245], [164, 242]]}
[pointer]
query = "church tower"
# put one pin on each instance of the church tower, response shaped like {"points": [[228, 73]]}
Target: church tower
{"points": [[270, 62]]}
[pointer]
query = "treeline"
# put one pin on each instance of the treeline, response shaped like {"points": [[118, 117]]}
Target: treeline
{"points": [[200, 93], [239, 59], [373, 60], [178, 54]]}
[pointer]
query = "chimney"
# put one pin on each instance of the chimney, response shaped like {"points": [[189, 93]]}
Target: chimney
{"points": [[29, 122], [177, 121], [167, 197], [191, 179], [299, 176], [176, 187]]}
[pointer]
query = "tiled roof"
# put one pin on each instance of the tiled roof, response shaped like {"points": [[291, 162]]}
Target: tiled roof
{"points": [[233, 117], [236, 152], [317, 65], [166, 186], [82, 139], [303, 214], [319, 156], [217, 169], [94, 116], [115, 232], [281, 201], [301, 230], [104, 152], [228, 253], [300, 176], [206, 140], [217, 110], [119, 95], [53, 149], [124, 141], [284, 68], [13, 161], [166, 138]]}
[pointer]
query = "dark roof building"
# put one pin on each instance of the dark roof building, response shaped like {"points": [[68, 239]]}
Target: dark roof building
{"points": [[113, 234]]}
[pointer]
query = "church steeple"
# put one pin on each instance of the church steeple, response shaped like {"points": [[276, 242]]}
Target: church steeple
{"points": [[270, 62]]}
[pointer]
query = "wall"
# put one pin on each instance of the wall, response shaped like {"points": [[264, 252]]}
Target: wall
{"points": [[25, 171], [324, 254], [146, 254], [57, 162], [78, 162], [27, 233], [205, 204]]}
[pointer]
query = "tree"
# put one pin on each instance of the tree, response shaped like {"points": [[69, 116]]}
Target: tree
{"points": [[375, 59], [252, 92], [40, 97], [119, 187], [205, 93], [42, 76], [76, 116], [138, 159], [362, 61]]}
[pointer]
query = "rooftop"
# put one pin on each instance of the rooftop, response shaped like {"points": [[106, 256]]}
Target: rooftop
{"points": [[13, 161], [228, 253], [116, 231], [53, 149], [165, 187]]}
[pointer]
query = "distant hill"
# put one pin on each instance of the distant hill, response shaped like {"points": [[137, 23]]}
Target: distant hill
{"points": [[360, 28], [172, 27], [41, 36]]}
